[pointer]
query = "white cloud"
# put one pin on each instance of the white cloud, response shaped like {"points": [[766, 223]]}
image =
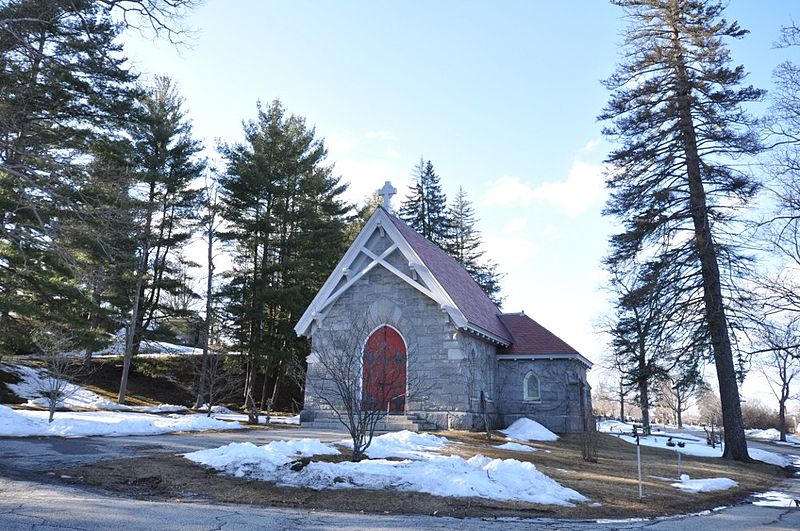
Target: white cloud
{"points": [[583, 188], [591, 145]]}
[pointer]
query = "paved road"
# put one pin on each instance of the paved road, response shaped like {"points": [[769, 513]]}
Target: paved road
{"points": [[32, 506], [28, 502], [19, 457]]}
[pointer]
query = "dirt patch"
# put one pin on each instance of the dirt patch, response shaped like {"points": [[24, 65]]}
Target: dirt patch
{"points": [[145, 386], [611, 483]]}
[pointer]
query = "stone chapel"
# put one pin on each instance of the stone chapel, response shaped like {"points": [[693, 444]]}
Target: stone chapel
{"points": [[441, 329]]}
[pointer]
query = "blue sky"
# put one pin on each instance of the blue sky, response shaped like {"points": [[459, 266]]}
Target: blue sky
{"points": [[501, 96]]}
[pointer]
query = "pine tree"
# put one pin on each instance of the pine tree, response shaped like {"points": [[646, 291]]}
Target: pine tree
{"points": [[166, 160], [362, 213], [677, 112], [64, 88], [285, 220], [463, 243], [425, 205]]}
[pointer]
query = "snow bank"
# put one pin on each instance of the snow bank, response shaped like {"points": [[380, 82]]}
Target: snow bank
{"points": [[21, 423], [529, 430], [765, 435], [516, 447], [33, 381], [769, 457], [704, 485], [404, 444], [499, 479], [771, 435], [240, 459]]}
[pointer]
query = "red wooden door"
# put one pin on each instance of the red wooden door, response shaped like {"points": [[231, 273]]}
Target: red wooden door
{"points": [[385, 371]]}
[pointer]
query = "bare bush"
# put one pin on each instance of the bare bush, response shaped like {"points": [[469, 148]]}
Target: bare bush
{"points": [[55, 386], [221, 377], [756, 415]]}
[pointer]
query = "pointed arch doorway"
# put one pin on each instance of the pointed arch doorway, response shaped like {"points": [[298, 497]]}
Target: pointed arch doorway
{"points": [[384, 374]]}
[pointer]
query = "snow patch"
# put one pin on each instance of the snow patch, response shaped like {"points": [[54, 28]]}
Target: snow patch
{"points": [[516, 447], [22, 423], [697, 446], [529, 430], [262, 419], [704, 485], [32, 381], [774, 498]]}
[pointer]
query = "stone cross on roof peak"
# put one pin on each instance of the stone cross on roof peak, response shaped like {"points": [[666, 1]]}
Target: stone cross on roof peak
{"points": [[387, 192]]}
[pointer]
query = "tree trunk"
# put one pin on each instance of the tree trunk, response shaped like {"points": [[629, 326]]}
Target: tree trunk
{"points": [[644, 398], [735, 442], [621, 404], [130, 338], [209, 309], [645, 404], [263, 392], [782, 411]]}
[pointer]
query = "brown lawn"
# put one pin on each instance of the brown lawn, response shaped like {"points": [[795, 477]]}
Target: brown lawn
{"points": [[610, 484]]}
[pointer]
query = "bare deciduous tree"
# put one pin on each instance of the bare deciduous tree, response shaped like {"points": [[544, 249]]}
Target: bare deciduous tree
{"points": [[222, 379], [343, 360], [677, 393], [779, 362]]}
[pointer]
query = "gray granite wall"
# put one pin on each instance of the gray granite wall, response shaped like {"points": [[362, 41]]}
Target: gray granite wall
{"points": [[439, 375], [560, 383]]}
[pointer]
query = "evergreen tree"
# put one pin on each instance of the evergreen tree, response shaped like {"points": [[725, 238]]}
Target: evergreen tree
{"points": [[463, 243], [285, 220], [425, 205], [167, 163], [677, 112], [64, 87], [362, 214]]}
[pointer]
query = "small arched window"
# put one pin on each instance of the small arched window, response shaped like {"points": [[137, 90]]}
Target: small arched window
{"points": [[531, 389]]}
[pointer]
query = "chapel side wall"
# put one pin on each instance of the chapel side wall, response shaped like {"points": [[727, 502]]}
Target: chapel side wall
{"points": [[560, 384], [436, 378], [478, 362]]}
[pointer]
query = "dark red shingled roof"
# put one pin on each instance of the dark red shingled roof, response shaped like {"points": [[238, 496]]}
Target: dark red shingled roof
{"points": [[529, 337], [468, 296]]}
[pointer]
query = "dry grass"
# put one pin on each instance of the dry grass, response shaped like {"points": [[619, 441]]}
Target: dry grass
{"points": [[611, 482]]}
